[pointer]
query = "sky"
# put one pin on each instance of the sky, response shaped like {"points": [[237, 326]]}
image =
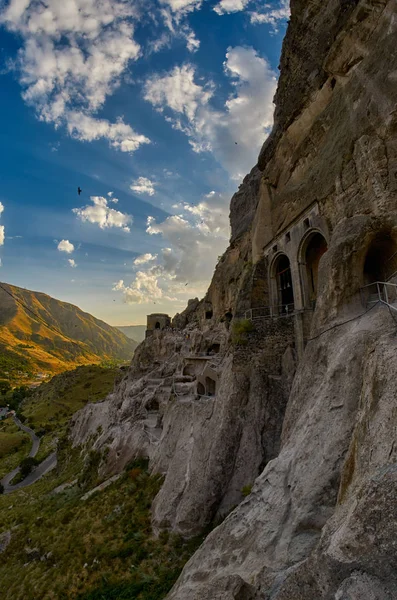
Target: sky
{"points": [[156, 110]]}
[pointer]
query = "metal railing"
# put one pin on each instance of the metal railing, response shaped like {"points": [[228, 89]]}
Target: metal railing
{"points": [[270, 312], [379, 291]]}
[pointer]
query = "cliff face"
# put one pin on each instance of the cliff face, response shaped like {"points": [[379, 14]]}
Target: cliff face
{"points": [[304, 404]]}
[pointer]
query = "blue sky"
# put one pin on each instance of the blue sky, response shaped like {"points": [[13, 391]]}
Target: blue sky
{"points": [[140, 103]]}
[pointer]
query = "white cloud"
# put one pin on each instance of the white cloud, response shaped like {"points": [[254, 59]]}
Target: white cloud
{"points": [[75, 53], [235, 134], [120, 136], [192, 43], [1, 208], [193, 238], [145, 258], [65, 246], [182, 6], [2, 235], [230, 6], [143, 185], [72, 262], [102, 215], [178, 91], [144, 289], [272, 16]]}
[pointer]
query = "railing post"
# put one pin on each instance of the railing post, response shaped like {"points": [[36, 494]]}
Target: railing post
{"points": [[378, 288], [386, 294]]}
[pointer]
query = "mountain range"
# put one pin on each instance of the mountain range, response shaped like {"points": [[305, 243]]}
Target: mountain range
{"points": [[40, 333], [135, 332]]}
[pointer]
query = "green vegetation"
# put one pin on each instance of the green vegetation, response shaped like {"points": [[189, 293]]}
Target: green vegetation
{"points": [[241, 328], [11, 363], [247, 489], [14, 446], [50, 407], [65, 548]]}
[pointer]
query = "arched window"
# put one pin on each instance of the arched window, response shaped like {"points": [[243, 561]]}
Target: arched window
{"points": [[381, 259], [315, 248], [285, 289], [157, 326]]}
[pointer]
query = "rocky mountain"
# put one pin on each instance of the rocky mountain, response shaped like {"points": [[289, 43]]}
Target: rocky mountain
{"points": [[40, 333], [134, 332], [271, 405]]}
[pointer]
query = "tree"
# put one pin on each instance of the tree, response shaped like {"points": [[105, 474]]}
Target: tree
{"points": [[26, 466], [5, 387]]}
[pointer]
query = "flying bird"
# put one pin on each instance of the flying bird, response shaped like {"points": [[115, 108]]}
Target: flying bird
{"points": [[186, 284], [236, 143], [79, 190]]}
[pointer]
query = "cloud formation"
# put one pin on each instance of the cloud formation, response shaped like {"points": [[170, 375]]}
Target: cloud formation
{"points": [[235, 134], [102, 215], [272, 16], [230, 6], [145, 258], [74, 54], [143, 185], [65, 246], [193, 240], [72, 262]]}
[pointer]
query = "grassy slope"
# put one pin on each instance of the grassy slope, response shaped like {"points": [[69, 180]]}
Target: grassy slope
{"points": [[14, 446], [99, 548], [49, 335], [49, 409], [94, 549]]}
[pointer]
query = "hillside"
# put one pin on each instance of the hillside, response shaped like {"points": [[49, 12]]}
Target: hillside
{"points": [[40, 333], [134, 332]]}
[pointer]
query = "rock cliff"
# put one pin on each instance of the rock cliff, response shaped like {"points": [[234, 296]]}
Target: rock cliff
{"points": [[283, 377]]}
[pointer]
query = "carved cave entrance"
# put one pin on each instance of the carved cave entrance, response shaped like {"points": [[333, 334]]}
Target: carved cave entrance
{"points": [[284, 285], [315, 249], [157, 326], [381, 259], [211, 386]]}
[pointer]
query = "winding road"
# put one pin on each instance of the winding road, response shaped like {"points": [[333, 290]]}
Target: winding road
{"points": [[44, 467]]}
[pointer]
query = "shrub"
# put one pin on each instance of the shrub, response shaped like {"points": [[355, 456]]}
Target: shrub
{"points": [[247, 489], [240, 330], [26, 466]]}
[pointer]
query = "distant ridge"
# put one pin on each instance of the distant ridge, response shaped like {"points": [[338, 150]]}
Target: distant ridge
{"points": [[134, 332], [40, 333]]}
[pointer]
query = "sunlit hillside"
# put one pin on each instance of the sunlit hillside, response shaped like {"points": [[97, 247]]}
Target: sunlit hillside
{"points": [[41, 335]]}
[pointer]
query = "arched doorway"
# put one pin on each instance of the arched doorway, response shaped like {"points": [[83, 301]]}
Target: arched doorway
{"points": [[211, 386], [285, 290], [314, 249], [381, 259], [157, 326]]}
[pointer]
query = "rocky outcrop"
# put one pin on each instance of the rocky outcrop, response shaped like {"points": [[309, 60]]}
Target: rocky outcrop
{"points": [[302, 400]]}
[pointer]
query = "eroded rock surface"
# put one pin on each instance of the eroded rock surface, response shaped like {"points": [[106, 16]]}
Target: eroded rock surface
{"points": [[303, 406]]}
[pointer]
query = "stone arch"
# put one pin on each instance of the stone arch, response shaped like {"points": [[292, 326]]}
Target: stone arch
{"points": [[380, 262], [312, 247], [210, 384], [157, 325], [281, 282]]}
